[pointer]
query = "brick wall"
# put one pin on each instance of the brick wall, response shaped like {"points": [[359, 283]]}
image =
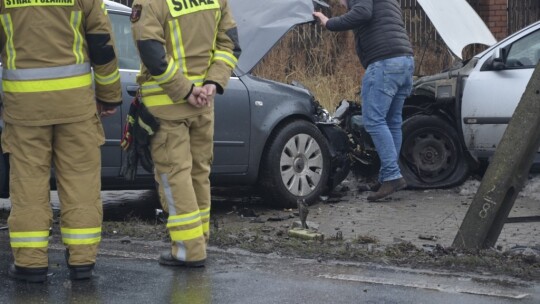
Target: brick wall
{"points": [[495, 15]]}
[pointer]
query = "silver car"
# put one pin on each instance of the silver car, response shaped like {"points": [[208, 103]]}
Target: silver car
{"points": [[454, 121], [267, 133]]}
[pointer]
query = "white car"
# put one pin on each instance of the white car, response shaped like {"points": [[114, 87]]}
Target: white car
{"points": [[454, 121]]}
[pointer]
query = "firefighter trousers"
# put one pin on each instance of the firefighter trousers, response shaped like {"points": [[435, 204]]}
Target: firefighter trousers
{"points": [[182, 152], [74, 150]]}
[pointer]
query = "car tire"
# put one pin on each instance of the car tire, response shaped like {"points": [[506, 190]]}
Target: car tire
{"points": [[431, 153], [289, 171]]}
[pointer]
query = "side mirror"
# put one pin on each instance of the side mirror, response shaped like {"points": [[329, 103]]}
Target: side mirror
{"points": [[497, 59]]}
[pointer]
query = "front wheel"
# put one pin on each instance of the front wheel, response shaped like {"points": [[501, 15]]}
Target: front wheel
{"points": [[431, 153], [296, 165]]}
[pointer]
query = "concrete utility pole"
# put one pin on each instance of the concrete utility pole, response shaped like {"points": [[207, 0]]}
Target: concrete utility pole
{"points": [[506, 173]]}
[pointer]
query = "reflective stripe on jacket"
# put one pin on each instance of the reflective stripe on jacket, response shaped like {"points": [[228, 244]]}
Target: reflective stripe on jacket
{"points": [[49, 49], [46, 79], [197, 47]]}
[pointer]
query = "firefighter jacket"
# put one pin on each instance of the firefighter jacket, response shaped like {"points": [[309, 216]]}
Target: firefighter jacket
{"points": [[182, 43], [49, 48]]}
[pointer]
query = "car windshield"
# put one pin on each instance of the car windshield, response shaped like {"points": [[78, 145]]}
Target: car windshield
{"points": [[127, 52], [488, 50], [525, 52]]}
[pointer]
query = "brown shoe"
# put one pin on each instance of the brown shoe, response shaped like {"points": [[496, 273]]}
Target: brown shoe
{"points": [[369, 186], [388, 188], [166, 258]]}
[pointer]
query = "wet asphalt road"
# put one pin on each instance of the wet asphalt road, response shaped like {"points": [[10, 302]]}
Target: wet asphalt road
{"points": [[130, 274]]}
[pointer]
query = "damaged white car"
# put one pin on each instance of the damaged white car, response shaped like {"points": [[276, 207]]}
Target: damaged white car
{"points": [[453, 121]]}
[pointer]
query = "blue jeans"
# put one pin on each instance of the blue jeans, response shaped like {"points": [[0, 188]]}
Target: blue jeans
{"points": [[385, 86]]}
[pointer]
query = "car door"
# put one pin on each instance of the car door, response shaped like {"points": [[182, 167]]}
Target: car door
{"points": [[128, 61], [490, 96], [232, 129]]}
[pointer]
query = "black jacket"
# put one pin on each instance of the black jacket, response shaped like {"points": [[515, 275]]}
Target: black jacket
{"points": [[378, 29]]}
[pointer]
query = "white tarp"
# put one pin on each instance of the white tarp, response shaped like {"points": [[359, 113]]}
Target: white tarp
{"points": [[457, 24]]}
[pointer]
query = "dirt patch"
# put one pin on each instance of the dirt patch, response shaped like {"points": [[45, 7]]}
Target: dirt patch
{"points": [[240, 219], [412, 229], [267, 239], [366, 249]]}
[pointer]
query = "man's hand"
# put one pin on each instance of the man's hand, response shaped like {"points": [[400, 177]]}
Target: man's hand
{"points": [[197, 97], [210, 90], [321, 17], [200, 95], [105, 110]]}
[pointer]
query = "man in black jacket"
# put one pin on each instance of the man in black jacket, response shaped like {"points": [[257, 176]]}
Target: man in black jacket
{"points": [[384, 49]]}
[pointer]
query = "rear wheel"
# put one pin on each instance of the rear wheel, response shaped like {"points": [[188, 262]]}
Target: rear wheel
{"points": [[296, 165], [431, 153]]}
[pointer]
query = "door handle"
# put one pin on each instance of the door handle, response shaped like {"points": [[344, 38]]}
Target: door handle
{"points": [[132, 90]]}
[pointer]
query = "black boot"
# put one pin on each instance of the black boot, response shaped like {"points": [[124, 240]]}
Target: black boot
{"points": [[79, 272], [166, 258], [31, 275]]}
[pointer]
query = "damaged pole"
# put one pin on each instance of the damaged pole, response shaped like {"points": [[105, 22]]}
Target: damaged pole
{"points": [[506, 174]]}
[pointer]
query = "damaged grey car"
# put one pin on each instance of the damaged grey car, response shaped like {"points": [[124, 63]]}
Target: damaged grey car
{"points": [[267, 133]]}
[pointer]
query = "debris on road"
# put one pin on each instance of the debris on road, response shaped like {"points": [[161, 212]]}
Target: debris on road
{"points": [[312, 225], [279, 218], [305, 234], [247, 212], [267, 229], [257, 220], [428, 237]]}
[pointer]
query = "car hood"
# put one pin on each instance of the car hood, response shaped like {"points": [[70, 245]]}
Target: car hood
{"points": [[262, 23], [457, 24]]}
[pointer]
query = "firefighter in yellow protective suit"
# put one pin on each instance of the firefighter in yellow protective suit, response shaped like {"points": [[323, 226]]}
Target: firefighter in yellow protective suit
{"points": [[188, 50], [49, 110]]}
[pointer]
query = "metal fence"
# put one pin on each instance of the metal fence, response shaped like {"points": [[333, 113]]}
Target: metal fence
{"points": [[522, 13]]}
